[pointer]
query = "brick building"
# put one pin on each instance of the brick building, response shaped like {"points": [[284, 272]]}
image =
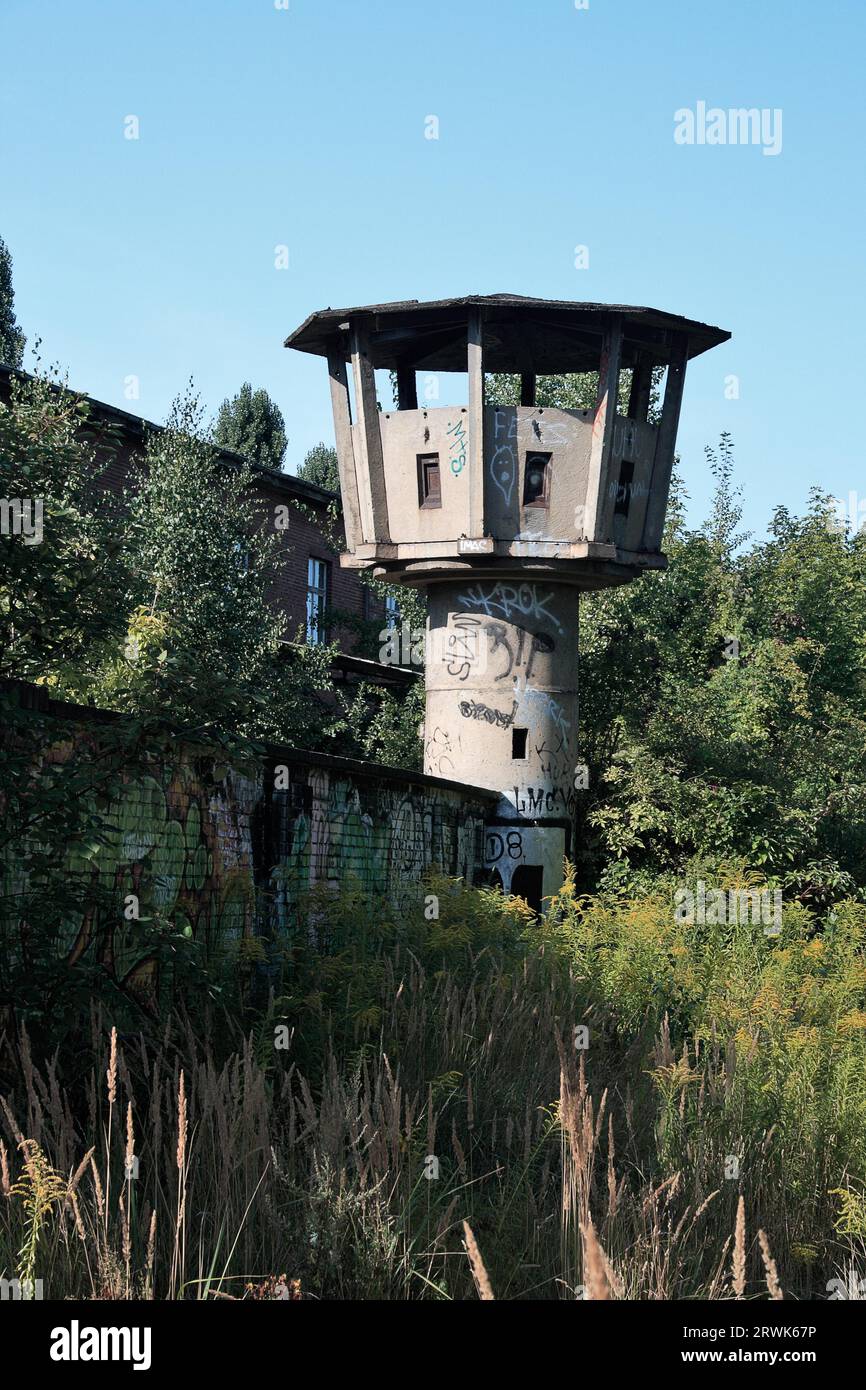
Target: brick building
{"points": [[311, 584]]}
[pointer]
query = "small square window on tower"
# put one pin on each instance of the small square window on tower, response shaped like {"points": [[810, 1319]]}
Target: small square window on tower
{"points": [[429, 484], [518, 744], [536, 480]]}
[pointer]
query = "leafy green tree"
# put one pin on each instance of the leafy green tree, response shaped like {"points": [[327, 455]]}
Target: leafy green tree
{"points": [[251, 424], [62, 579], [320, 467], [568, 391], [723, 704], [384, 726], [61, 568], [12, 339], [574, 391], [158, 610], [203, 643]]}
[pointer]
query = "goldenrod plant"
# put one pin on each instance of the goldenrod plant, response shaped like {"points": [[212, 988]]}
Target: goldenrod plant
{"points": [[620, 1104]]}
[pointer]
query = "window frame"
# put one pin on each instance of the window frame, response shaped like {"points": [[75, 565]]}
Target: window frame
{"points": [[318, 600], [426, 500], [393, 616], [543, 498]]}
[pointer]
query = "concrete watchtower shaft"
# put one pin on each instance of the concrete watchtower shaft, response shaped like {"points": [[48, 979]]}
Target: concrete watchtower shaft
{"points": [[504, 514]]}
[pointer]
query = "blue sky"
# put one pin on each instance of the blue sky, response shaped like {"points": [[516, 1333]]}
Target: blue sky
{"points": [[261, 127]]}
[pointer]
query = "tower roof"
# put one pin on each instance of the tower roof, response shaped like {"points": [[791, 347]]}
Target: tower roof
{"points": [[520, 334]]}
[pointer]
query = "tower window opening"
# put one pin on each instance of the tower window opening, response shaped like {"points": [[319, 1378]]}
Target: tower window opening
{"points": [[429, 482], [536, 480], [518, 743], [624, 488]]}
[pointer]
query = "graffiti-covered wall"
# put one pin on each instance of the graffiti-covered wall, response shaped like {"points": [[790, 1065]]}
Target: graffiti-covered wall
{"points": [[333, 822], [223, 848]]}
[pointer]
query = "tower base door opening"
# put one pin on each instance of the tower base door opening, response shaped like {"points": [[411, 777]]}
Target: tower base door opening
{"points": [[527, 882], [525, 860]]}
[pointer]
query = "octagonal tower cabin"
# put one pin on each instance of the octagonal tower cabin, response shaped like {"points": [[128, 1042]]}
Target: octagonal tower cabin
{"points": [[504, 514]]}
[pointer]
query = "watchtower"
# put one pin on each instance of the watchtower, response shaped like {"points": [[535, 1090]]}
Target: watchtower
{"points": [[504, 513]]}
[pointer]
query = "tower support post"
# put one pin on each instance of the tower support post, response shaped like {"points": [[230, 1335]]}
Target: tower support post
{"points": [[502, 709]]}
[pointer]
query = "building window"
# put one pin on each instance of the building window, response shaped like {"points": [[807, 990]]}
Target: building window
{"points": [[318, 585], [429, 485], [392, 611], [241, 557], [536, 480]]}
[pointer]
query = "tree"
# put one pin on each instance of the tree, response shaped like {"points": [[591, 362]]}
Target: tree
{"points": [[320, 467], [203, 643], [722, 705], [12, 339], [60, 573], [159, 611], [61, 610], [383, 726], [251, 424], [568, 391]]}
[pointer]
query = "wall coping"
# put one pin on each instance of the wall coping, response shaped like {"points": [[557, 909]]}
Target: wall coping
{"points": [[38, 699]]}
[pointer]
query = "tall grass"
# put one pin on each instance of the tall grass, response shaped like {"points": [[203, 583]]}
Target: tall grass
{"points": [[431, 1131]]}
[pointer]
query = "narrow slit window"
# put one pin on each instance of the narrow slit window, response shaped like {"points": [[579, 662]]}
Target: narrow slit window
{"points": [[518, 743], [624, 488], [536, 480], [429, 483]]}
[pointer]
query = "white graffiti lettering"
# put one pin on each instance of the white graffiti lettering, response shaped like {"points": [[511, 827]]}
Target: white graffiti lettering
{"points": [[508, 600]]}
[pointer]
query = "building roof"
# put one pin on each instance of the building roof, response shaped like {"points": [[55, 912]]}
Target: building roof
{"points": [[520, 334], [136, 427]]}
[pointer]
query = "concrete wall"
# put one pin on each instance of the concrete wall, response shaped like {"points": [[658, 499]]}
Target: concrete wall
{"points": [[502, 710], [405, 435], [510, 434], [634, 441]]}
